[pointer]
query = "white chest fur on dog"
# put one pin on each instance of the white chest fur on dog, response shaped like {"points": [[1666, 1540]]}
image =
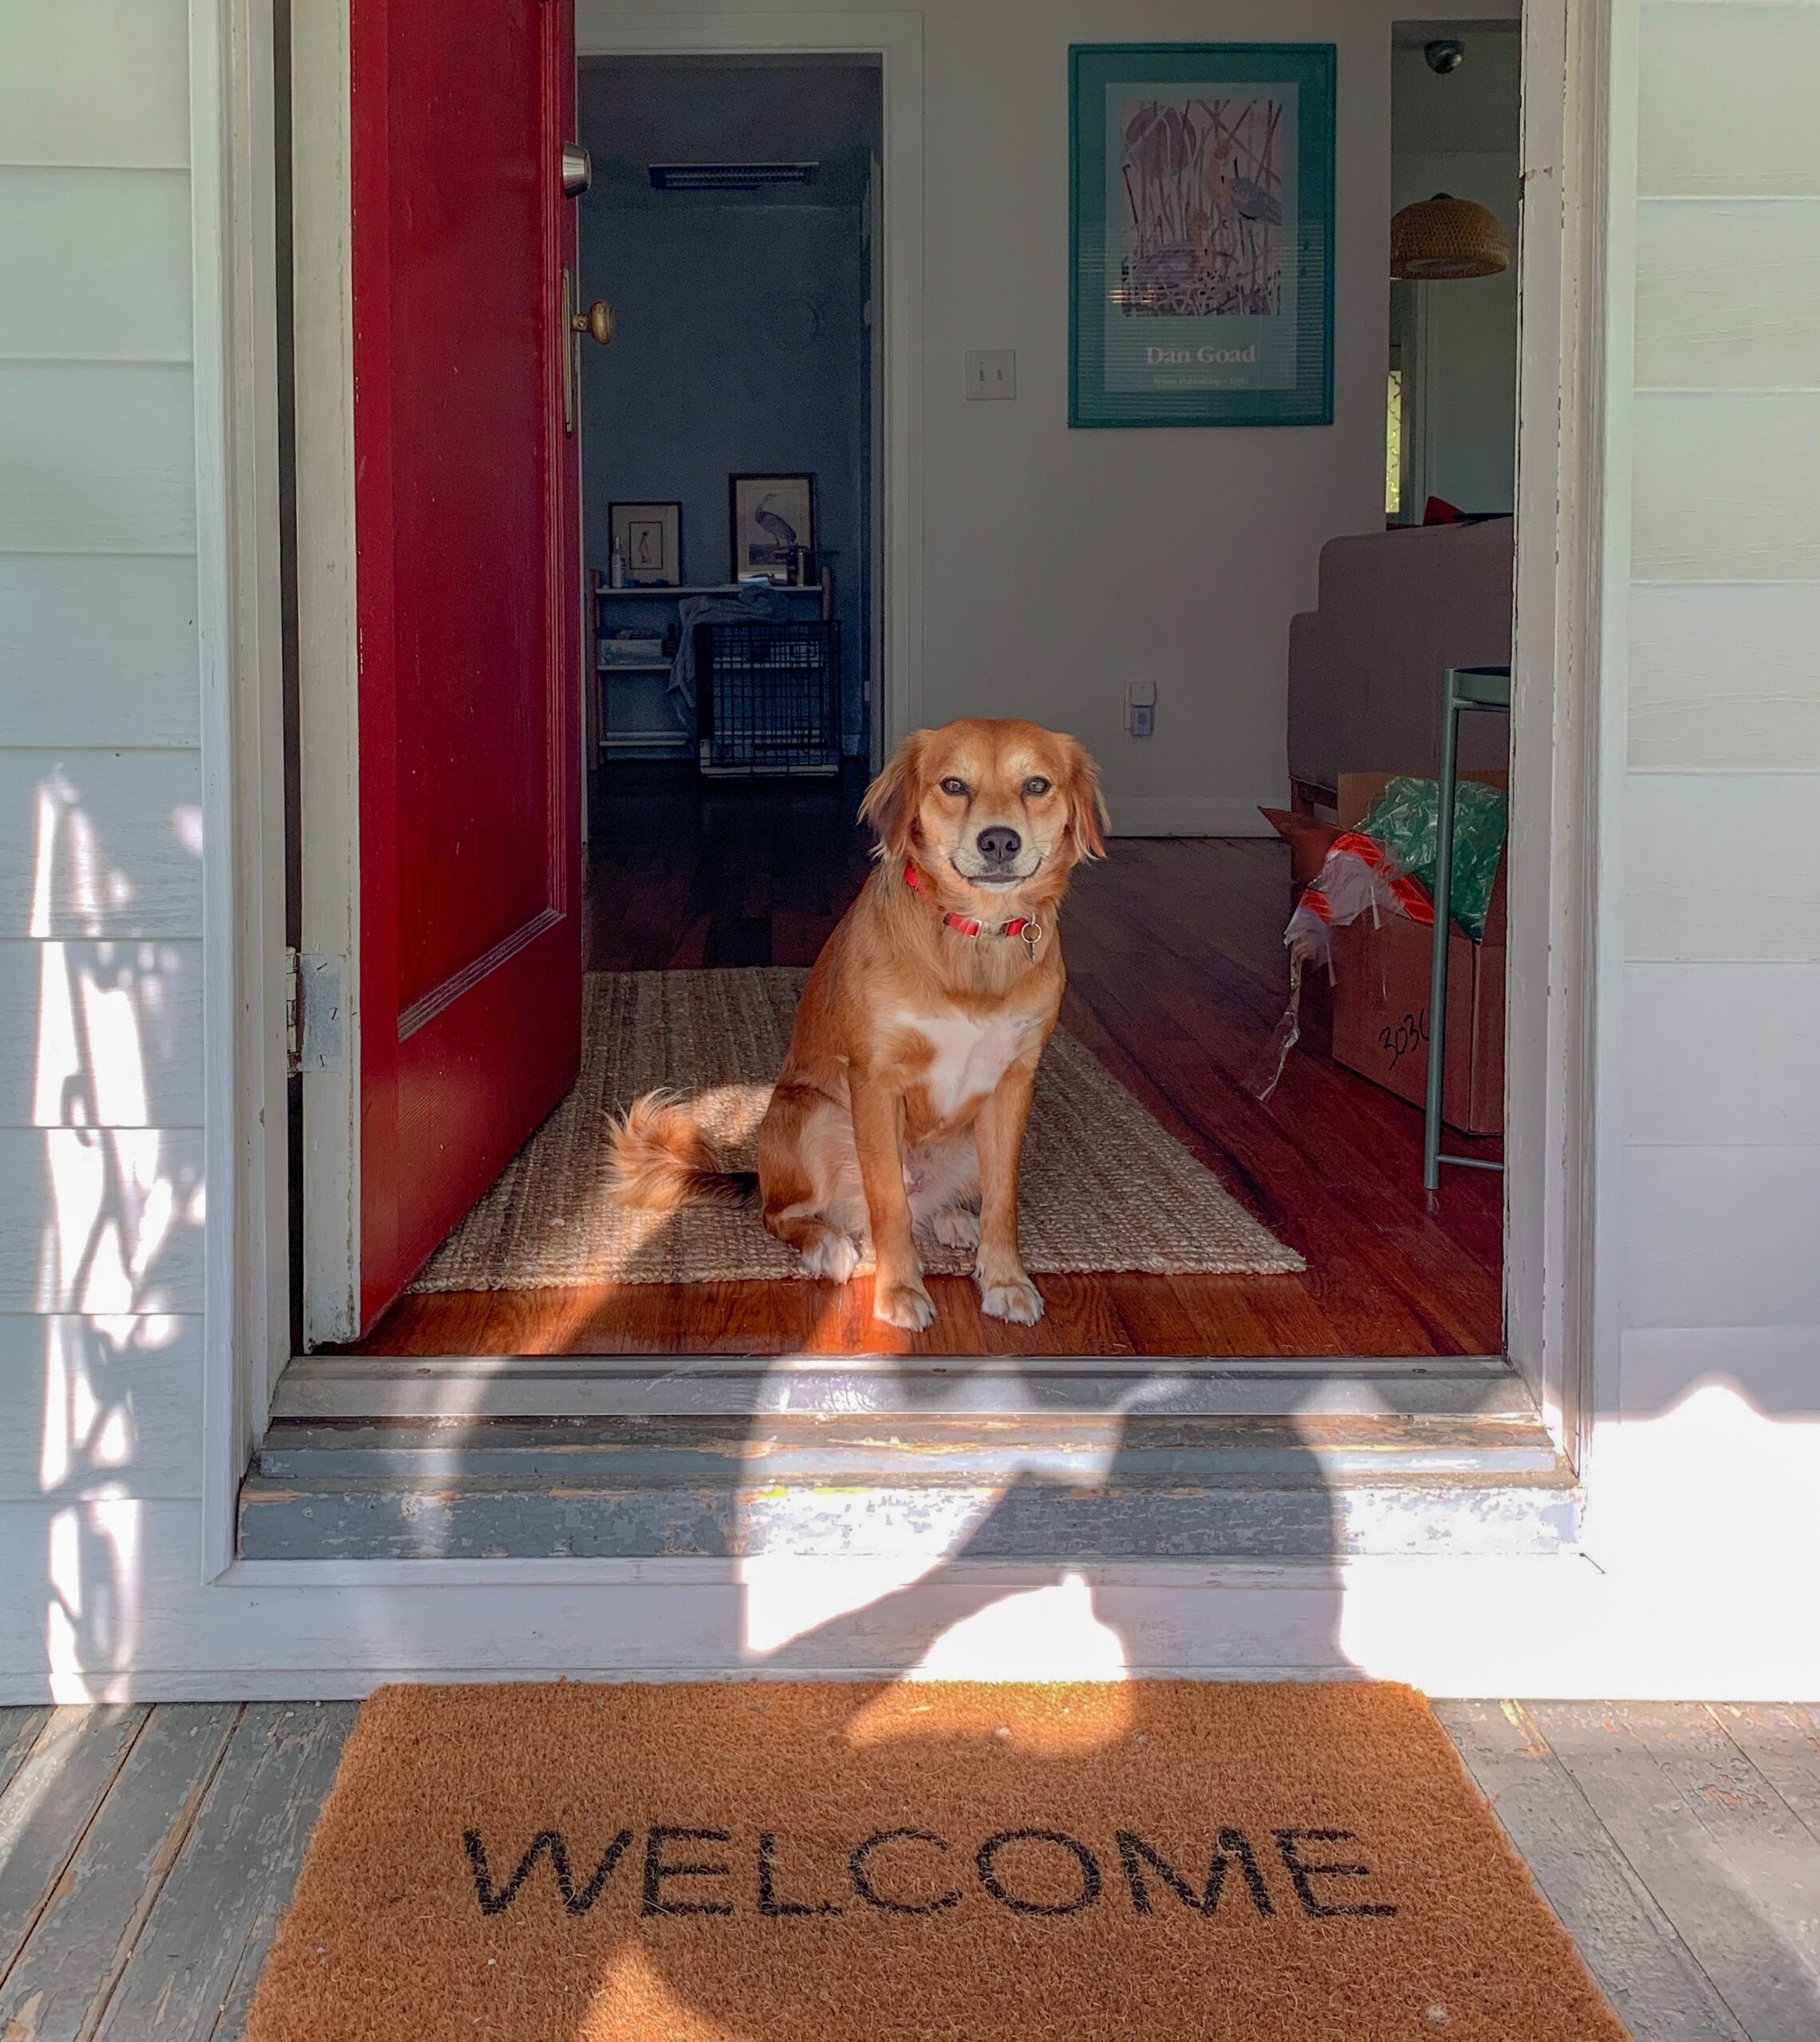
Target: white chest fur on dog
{"points": [[971, 1057]]}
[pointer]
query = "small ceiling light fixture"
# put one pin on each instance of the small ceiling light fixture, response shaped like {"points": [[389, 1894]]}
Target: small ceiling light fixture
{"points": [[1445, 54], [1442, 237], [729, 176]]}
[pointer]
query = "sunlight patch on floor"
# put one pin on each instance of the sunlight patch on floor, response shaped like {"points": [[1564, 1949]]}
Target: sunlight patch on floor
{"points": [[787, 1595], [633, 2002], [1049, 1633]]}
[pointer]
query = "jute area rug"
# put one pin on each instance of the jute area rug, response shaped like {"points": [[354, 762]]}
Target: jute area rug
{"points": [[1104, 1186], [1144, 1862]]}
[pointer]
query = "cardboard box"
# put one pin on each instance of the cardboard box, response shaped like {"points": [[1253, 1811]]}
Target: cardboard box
{"points": [[1381, 995], [1308, 839]]}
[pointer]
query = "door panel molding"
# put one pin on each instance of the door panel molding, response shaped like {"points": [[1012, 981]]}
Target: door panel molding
{"points": [[421, 1011]]}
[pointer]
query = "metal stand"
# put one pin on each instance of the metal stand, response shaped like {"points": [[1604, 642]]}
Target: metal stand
{"points": [[1462, 688]]}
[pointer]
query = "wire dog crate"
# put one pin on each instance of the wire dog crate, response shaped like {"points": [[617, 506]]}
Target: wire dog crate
{"points": [[768, 698]]}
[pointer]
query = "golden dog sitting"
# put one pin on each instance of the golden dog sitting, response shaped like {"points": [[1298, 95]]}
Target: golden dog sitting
{"points": [[904, 1098]]}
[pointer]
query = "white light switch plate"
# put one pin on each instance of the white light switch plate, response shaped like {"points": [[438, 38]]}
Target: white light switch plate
{"points": [[992, 374]]}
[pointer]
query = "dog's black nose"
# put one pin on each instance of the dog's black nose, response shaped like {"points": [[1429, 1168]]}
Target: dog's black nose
{"points": [[999, 846]]}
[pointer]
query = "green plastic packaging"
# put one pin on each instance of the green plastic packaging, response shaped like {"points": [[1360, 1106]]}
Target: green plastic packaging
{"points": [[1404, 818]]}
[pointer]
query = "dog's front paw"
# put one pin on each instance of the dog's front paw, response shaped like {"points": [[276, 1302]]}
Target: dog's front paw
{"points": [[833, 1256], [1016, 1298], [907, 1305], [957, 1228]]}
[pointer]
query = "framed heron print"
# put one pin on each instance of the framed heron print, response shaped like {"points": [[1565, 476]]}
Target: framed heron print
{"points": [[1201, 213], [774, 525]]}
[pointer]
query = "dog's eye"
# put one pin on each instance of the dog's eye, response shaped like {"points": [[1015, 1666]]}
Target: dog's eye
{"points": [[952, 786], [1036, 785]]}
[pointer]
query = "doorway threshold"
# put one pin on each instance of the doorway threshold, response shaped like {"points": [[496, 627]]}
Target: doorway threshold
{"points": [[1052, 1460], [1058, 1467], [381, 1387]]}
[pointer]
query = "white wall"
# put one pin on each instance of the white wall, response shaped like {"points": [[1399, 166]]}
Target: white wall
{"points": [[100, 897], [1710, 1368], [1058, 564]]}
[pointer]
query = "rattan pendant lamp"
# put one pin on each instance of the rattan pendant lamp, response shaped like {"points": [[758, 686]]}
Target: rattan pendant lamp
{"points": [[1443, 237]]}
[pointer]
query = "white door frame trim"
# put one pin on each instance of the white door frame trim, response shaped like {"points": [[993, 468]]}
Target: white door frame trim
{"points": [[327, 627], [245, 1275], [1573, 459], [1573, 463]]}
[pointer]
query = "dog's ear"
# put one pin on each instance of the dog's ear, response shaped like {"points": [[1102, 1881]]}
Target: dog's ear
{"points": [[892, 799], [1088, 820]]}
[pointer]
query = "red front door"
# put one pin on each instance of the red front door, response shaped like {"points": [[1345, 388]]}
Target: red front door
{"points": [[469, 604]]}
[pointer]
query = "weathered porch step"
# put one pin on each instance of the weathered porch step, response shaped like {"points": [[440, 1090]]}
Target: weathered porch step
{"points": [[1035, 1487], [788, 1447], [379, 1386]]}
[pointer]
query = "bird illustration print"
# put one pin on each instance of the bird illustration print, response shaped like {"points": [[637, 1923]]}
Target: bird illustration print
{"points": [[778, 530]]}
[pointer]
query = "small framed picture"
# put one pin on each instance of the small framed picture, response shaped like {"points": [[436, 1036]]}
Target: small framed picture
{"points": [[773, 524], [646, 539]]}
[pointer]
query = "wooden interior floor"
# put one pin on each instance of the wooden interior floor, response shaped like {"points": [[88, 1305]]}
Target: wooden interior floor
{"points": [[146, 1855], [1176, 978]]}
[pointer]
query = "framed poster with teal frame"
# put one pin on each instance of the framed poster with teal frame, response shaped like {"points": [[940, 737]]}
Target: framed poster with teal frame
{"points": [[1201, 234]]}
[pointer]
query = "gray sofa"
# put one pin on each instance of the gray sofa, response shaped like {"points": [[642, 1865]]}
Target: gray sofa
{"points": [[1397, 608]]}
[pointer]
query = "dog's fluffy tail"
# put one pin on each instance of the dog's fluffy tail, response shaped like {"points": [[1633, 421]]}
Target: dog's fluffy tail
{"points": [[662, 1161]]}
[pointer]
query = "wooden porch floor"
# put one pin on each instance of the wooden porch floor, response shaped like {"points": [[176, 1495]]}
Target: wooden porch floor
{"points": [[147, 1852]]}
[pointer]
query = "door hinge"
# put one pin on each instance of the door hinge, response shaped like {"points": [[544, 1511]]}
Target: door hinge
{"points": [[316, 1013]]}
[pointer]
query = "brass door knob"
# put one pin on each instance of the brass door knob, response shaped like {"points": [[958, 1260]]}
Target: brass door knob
{"points": [[599, 322]]}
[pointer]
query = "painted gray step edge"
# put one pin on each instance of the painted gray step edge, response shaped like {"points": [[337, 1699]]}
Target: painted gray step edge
{"points": [[357, 1386], [1029, 1521], [748, 1464]]}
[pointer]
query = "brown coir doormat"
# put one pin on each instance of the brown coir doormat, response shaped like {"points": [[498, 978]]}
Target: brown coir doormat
{"points": [[1149, 1862]]}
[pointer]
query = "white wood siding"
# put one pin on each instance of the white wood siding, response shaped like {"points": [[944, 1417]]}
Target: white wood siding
{"points": [[1720, 1186], [1722, 1236], [96, 84], [1719, 866], [102, 1033], [93, 642], [1749, 1031], [1728, 293], [1727, 675], [101, 1191], [1727, 101], [100, 457], [140, 308], [1725, 485], [121, 1397]]}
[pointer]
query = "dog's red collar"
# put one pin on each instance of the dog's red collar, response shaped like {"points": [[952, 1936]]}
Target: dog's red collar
{"points": [[1024, 925]]}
